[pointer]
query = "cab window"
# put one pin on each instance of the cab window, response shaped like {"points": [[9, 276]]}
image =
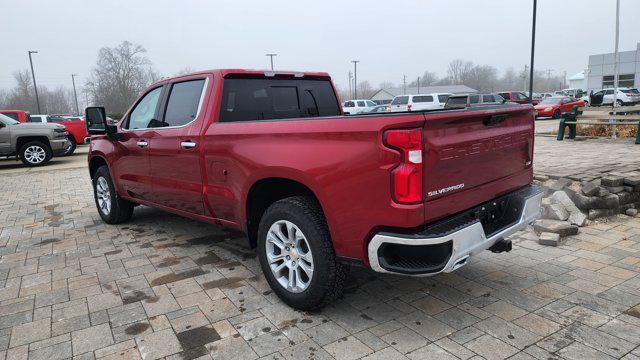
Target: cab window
{"points": [[143, 115]]}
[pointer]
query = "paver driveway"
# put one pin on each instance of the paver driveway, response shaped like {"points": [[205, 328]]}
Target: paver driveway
{"points": [[164, 286]]}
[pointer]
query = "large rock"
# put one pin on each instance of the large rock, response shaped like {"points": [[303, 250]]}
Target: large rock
{"points": [[611, 201], [615, 189], [556, 212], [590, 189], [611, 181], [562, 228], [577, 218], [632, 181], [549, 239], [624, 197], [560, 184], [581, 201], [598, 213], [561, 197], [631, 212]]}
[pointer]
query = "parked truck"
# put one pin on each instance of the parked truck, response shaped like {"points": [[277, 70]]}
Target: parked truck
{"points": [[34, 144], [271, 154]]}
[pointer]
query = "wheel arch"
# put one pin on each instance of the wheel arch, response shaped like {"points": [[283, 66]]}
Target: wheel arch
{"points": [[265, 191], [21, 140], [95, 162]]}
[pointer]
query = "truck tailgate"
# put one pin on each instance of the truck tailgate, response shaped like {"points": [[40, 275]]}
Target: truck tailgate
{"points": [[475, 148]]}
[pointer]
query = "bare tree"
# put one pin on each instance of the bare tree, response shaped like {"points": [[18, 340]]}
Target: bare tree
{"points": [[365, 90], [120, 74], [428, 78], [386, 85], [458, 71]]}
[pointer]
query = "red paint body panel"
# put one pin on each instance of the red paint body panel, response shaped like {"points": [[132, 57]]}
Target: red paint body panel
{"points": [[341, 159], [77, 128], [18, 115]]}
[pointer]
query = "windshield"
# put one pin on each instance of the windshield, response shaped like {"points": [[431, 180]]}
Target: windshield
{"points": [[551, 101], [7, 120]]}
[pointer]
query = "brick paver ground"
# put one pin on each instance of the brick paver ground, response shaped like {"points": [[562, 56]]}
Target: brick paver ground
{"points": [[164, 286]]}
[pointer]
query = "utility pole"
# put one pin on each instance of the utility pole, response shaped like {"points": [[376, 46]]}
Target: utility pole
{"points": [[350, 91], [524, 78], [33, 75], [355, 78], [404, 84], [271, 59], [418, 84], [533, 48], [75, 94], [615, 67]]}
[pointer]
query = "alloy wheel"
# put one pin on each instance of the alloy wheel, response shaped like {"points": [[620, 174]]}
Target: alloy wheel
{"points": [[103, 195], [289, 256], [35, 154]]}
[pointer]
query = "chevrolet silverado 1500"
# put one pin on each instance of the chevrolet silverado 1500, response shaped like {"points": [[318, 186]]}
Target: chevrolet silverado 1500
{"points": [[270, 153]]}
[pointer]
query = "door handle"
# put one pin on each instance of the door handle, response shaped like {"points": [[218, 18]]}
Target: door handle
{"points": [[142, 143], [187, 144]]}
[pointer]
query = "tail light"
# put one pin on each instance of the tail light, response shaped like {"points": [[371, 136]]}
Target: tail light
{"points": [[409, 107], [406, 178]]}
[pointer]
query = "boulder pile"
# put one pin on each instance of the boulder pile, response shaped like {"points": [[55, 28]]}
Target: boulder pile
{"points": [[569, 205]]}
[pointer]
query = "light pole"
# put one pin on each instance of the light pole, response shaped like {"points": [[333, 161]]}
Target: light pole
{"points": [[418, 84], [404, 84], [615, 67], [33, 75], [75, 94], [533, 47], [355, 78], [271, 58]]}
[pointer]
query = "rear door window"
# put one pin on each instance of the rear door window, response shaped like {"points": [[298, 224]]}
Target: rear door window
{"points": [[443, 98], [422, 98], [487, 98], [268, 99], [183, 103], [474, 99], [14, 116], [400, 100], [456, 101], [361, 104], [349, 104]]}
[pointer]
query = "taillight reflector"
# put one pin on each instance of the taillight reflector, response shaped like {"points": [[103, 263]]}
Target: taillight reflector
{"points": [[406, 178]]}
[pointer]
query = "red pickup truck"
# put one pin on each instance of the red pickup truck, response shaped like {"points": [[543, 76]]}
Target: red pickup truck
{"points": [[270, 153]]}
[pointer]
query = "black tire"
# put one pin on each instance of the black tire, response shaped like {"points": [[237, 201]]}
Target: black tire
{"points": [[120, 210], [620, 103], [29, 150], [72, 147], [328, 278], [556, 114]]}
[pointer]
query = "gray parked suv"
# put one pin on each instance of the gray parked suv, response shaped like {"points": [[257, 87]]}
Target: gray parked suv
{"points": [[34, 143]]}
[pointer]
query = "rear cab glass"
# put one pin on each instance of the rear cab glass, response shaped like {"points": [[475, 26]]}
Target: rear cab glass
{"points": [[269, 99], [456, 101]]}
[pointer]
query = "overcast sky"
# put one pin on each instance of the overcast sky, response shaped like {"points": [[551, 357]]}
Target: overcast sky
{"points": [[390, 38]]}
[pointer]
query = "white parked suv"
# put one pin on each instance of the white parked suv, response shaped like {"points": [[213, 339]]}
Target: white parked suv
{"points": [[351, 107], [626, 96], [419, 102]]}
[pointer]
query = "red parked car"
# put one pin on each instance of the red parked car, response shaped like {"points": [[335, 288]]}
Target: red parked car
{"points": [[17, 115], [518, 97], [271, 154], [555, 106]]}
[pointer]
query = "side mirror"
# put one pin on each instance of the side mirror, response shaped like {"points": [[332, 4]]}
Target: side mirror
{"points": [[96, 121]]}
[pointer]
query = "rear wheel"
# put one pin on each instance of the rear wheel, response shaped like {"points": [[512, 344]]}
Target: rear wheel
{"points": [[35, 153], [112, 208], [297, 256], [556, 114], [71, 146], [620, 103]]}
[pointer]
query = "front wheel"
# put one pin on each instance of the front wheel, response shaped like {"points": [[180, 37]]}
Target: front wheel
{"points": [[297, 256], [35, 153], [71, 146], [556, 114], [112, 208]]}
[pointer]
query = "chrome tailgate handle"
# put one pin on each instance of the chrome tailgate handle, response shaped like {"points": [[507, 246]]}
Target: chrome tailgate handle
{"points": [[187, 144]]}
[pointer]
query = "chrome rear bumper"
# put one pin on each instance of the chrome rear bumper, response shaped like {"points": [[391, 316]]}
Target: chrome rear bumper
{"points": [[454, 242]]}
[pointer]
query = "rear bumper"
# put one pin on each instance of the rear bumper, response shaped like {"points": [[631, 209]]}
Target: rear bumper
{"points": [[447, 244]]}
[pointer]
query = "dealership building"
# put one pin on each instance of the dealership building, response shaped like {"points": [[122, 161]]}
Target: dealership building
{"points": [[601, 70]]}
